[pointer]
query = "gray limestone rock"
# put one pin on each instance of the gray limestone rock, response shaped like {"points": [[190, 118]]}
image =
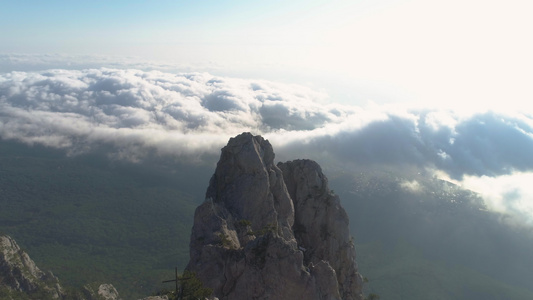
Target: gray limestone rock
{"points": [[321, 224], [107, 291], [19, 273], [95, 291], [252, 240], [20, 278]]}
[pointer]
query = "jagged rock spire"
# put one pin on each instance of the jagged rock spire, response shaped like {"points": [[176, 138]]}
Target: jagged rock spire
{"points": [[255, 239]]}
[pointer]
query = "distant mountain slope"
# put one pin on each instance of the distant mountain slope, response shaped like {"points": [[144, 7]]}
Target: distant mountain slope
{"points": [[439, 235]]}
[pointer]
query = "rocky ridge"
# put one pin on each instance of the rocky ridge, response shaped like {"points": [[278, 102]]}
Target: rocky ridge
{"points": [[18, 272], [269, 231], [20, 278]]}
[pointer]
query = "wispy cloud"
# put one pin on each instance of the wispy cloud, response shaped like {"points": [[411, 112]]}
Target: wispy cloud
{"points": [[510, 194]]}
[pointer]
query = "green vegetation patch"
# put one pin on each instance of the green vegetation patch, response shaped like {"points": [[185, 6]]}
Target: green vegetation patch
{"points": [[401, 272], [89, 219]]}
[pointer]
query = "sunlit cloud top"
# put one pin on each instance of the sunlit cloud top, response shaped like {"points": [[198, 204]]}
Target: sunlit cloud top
{"points": [[153, 109]]}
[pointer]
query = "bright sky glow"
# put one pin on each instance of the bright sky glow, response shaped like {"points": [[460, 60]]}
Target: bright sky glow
{"points": [[463, 54]]}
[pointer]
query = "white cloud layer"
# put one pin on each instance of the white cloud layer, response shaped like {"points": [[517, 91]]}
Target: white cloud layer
{"points": [[188, 115], [180, 114]]}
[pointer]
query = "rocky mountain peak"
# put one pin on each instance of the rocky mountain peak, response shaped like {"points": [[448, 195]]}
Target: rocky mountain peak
{"points": [[271, 231]]}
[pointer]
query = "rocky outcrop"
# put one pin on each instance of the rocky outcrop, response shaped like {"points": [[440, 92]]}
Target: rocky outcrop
{"points": [[104, 291], [271, 232], [155, 298], [20, 278], [108, 292], [18, 273]]}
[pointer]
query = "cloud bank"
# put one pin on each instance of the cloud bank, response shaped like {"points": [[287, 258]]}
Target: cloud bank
{"points": [[181, 114], [191, 113], [188, 115]]}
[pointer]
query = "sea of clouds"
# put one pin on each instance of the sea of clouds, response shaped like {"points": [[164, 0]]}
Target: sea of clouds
{"points": [[188, 115]]}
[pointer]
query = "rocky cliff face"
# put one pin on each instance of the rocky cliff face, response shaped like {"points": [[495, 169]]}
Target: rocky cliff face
{"points": [[271, 232], [18, 272], [321, 224]]}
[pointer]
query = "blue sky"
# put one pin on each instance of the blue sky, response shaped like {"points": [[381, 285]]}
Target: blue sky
{"points": [[80, 22]]}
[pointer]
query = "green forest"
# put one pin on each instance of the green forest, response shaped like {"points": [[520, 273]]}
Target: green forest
{"points": [[91, 219]]}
